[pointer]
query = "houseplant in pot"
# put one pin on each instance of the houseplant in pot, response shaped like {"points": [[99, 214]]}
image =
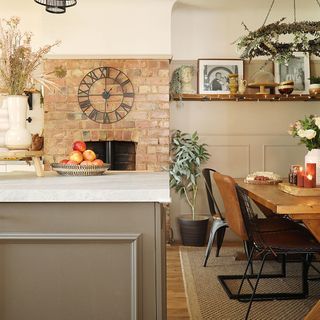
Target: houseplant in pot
{"points": [[17, 66], [314, 87], [187, 154]]}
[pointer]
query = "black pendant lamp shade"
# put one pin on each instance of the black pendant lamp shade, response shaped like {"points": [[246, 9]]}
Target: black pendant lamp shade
{"points": [[56, 6]]}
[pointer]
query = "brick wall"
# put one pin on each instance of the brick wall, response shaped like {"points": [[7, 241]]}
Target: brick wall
{"points": [[147, 124]]}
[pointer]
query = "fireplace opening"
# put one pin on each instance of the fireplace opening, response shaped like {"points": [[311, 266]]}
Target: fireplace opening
{"points": [[120, 154]]}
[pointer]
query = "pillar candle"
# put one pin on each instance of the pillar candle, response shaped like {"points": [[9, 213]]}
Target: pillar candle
{"points": [[300, 178], [308, 183], [311, 170]]}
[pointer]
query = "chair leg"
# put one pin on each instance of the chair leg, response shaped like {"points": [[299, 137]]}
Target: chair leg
{"points": [[247, 249], [249, 263], [220, 236], [256, 286], [216, 225]]}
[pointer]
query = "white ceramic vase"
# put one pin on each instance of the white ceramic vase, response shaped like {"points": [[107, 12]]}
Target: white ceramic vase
{"points": [[313, 156], [4, 124], [17, 137]]}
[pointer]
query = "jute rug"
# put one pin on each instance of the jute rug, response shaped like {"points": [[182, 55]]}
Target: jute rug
{"points": [[207, 299]]}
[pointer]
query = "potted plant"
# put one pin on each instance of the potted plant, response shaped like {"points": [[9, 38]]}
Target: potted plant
{"points": [[314, 87], [181, 81], [187, 155], [18, 64]]}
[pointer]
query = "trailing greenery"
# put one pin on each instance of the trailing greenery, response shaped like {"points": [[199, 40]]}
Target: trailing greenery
{"points": [[266, 41], [314, 80], [176, 79], [187, 155]]}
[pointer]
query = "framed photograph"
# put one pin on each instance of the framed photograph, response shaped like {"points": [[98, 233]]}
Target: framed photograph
{"points": [[213, 74], [297, 70]]}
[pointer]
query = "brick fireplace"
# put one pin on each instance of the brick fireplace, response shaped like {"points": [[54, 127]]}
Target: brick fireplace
{"points": [[146, 125]]}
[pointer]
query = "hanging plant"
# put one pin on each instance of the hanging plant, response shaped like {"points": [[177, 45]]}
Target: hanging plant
{"points": [[176, 79], [265, 41]]}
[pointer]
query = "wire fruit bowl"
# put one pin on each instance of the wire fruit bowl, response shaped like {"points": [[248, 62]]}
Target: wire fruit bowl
{"points": [[77, 170]]}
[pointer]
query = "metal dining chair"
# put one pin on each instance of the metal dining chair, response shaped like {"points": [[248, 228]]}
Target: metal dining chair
{"points": [[219, 224], [293, 241]]}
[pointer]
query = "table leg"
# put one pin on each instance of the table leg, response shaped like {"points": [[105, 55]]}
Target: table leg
{"points": [[38, 167]]}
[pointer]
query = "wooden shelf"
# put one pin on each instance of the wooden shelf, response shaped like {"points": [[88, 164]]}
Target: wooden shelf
{"points": [[25, 155], [246, 97]]}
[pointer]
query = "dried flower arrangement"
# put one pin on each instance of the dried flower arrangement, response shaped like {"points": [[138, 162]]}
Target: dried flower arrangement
{"points": [[266, 41], [18, 61]]}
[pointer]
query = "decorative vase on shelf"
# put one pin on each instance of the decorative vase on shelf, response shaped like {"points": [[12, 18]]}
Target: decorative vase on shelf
{"points": [[17, 137], [313, 156]]}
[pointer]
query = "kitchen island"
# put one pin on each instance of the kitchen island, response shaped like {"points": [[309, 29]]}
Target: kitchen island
{"points": [[80, 248]]}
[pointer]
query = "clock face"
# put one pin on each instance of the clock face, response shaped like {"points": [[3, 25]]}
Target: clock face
{"points": [[105, 95]]}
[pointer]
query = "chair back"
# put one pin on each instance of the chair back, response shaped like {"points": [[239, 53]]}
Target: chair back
{"points": [[233, 215], [213, 206], [249, 217]]}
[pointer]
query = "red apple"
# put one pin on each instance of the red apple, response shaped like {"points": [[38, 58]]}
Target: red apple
{"points": [[98, 162], [79, 146], [64, 161], [72, 162], [76, 156], [86, 163], [89, 155]]}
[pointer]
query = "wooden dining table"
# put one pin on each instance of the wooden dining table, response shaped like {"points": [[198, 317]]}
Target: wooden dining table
{"points": [[270, 199]]}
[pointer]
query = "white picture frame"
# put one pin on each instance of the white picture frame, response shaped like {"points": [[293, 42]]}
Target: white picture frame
{"points": [[297, 70], [213, 74]]}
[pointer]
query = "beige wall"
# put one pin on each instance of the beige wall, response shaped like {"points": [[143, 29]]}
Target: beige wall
{"points": [[99, 27], [242, 137]]}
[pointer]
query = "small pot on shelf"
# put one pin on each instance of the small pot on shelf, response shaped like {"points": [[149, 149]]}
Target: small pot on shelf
{"points": [[314, 88]]}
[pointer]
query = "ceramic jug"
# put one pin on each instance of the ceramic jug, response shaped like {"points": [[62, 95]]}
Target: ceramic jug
{"points": [[233, 83], [242, 86]]}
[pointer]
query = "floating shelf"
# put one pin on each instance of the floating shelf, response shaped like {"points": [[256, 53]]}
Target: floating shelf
{"points": [[246, 97]]}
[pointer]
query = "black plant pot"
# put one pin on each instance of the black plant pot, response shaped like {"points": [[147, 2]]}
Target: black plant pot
{"points": [[193, 232]]}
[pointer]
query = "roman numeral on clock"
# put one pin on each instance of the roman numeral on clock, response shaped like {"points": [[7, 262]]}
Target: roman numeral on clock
{"points": [[93, 115], [93, 76], [128, 94], [125, 107], [118, 115], [83, 93], [105, 72], [85, 105], [106, 118], [122, 84]]}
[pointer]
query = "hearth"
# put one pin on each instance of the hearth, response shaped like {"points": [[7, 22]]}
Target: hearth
{"points": [[120, 154]]}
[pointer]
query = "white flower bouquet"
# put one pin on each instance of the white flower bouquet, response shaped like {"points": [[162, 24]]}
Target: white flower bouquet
{"points": [[308, 130]]}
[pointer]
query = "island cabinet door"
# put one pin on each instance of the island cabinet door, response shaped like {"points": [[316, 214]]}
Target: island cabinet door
{"points": [[88, 261]]}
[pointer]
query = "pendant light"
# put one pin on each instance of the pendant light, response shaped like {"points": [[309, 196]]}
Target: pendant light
{"points": [[56, 6]]}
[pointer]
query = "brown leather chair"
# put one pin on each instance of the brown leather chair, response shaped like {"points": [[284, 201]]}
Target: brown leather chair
{"points": [[233, 216], [296, 241]]}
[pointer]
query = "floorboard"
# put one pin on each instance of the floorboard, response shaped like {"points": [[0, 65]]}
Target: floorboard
{"points": [[177, 308]]}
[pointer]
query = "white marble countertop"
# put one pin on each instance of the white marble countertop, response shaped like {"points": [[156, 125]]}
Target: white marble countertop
{"points": [[110, 187]]}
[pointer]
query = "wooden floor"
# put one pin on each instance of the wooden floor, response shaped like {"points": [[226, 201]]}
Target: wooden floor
{"points": [[176, 297]]}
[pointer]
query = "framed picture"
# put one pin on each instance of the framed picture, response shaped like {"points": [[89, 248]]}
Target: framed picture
{"points": [[297, 70], [213, 74]]}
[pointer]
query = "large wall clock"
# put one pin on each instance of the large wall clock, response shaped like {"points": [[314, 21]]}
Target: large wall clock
{"points": [[105, 95]]}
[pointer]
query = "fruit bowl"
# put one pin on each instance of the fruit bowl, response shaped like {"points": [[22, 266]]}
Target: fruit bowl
{"points": [[77, 170]]}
